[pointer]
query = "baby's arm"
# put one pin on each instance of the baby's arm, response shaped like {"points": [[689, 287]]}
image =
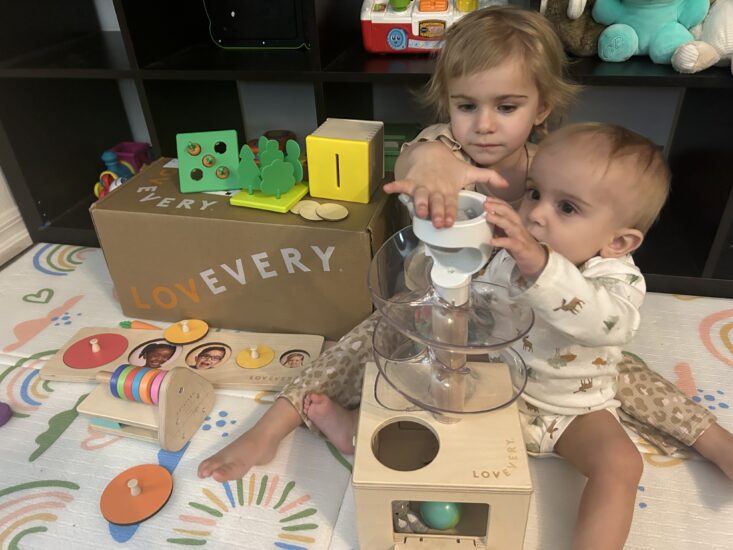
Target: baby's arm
{"points": [[596, 307], [433, 175]]}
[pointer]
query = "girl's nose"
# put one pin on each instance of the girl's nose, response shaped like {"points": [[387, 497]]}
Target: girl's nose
{"points": [[486, 122]]}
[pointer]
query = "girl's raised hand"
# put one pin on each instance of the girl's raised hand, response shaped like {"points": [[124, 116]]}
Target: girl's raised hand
{"points": [[510, 233], [432, 175]]}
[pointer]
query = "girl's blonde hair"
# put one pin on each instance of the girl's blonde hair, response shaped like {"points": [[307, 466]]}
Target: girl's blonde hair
{"points": [[486, 38]]}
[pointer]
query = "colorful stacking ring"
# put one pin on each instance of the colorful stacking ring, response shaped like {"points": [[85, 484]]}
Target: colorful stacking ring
{"points": [[121, 381], [137, 396], [129, 378], [141, 384], [113, 380], [155, 387], [145, 383]]}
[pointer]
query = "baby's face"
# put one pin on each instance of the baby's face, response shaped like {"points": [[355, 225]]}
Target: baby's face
{"points": [[574, 204]]}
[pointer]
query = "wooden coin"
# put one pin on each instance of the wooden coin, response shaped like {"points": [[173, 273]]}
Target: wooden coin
{"points": [[80, 354], [176, 334], [264, 356], [332, 212], [300, 204], [309, 212], [121, 507]]}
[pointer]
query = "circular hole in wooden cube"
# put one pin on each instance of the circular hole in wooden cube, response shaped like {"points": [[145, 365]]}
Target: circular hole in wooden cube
{"points": [[405, 445], [197, 174], [220, 147]]}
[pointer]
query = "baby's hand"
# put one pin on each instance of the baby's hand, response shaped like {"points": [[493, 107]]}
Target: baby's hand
{"points": [[433, 176], [510, 233]]}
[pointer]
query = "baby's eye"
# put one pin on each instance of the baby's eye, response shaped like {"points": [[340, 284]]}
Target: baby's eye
{"points": [[467, 107], [567, 207], [506, 109], [533, 194]]}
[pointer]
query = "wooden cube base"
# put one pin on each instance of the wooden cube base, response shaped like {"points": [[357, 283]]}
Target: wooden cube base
{"points": [[406, 454]]}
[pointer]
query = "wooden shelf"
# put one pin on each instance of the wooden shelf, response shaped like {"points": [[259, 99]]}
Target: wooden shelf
{"points": [[205, 61], [357, 65], [641, 71], [95, 55]]}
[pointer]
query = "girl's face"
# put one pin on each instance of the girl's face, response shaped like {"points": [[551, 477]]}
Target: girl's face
{"points": [[492, 112]]}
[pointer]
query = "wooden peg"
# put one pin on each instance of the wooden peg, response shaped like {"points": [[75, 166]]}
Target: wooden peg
{"points": [[95, 345], [134, 487], [184, 326], [254, 353]]}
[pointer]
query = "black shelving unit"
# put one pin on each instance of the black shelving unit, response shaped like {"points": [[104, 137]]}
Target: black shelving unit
{"points": [[60, 104]]}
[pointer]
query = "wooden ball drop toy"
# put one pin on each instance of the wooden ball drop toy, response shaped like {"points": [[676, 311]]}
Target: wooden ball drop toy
{"points": [[442, 438], [136, 494], [165, 406]]}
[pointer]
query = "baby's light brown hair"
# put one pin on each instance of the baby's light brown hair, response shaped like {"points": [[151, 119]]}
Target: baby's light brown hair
{"points": [[489, 37], [646, 170]]}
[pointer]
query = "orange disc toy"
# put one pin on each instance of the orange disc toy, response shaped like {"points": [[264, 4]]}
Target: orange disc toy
{"points": [[136, 494]]}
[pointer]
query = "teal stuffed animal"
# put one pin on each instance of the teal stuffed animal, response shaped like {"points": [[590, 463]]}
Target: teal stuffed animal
{"points": [[646, 27]]}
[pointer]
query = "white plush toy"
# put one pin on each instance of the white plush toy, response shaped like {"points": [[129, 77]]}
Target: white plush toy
{"points": [[713, 44]]}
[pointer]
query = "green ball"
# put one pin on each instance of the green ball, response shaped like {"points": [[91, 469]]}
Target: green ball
{"points": [[440, 515]]}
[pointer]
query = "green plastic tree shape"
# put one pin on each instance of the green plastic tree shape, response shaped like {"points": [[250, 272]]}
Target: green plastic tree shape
{"points": [[277, 178], [269, 153], [292, 156], [248, 171]]}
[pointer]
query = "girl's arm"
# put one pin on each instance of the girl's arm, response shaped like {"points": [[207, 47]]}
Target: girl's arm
{"points": [[432, 174]]}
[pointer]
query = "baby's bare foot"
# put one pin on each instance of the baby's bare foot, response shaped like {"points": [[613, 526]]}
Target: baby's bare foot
{"points": [[336, 423], [252, 448]]}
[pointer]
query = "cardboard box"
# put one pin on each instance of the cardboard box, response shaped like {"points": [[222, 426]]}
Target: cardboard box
{"points": [[174, 256]]}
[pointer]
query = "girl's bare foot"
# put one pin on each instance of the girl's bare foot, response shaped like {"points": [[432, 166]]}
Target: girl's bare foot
{"points": [[336, 423], [252, 448]]}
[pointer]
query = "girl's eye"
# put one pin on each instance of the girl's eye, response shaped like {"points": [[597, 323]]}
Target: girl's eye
{"points": [[467, 107], [506, 109], [567, 207], [533, 194]]}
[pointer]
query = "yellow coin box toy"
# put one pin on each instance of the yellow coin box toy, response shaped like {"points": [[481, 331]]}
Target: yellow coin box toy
{"points": [[346, 159]]}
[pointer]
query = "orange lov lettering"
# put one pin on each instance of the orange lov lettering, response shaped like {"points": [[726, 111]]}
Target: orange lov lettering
{"points": [[165, 297]]}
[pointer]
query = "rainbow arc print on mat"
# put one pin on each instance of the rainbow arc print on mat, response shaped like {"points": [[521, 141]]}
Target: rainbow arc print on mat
{"points": [[27, 507], [289, 509]]}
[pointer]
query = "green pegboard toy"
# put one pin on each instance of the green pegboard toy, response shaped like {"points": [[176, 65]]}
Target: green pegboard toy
{"points": [[207, 161], [270, 181]]}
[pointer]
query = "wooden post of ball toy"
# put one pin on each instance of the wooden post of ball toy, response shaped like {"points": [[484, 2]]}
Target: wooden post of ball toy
{"points": [[151, 404]]}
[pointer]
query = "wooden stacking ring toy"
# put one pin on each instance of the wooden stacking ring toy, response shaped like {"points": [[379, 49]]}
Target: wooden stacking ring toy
{"points": [[136, 494], [255, 357], [165, 406], [186, 331]]}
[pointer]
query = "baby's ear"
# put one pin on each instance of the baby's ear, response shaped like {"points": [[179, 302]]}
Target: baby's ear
{"points": [[625, 241]]}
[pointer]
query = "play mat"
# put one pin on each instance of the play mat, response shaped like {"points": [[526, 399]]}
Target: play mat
{"points": [[54, 466]]}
